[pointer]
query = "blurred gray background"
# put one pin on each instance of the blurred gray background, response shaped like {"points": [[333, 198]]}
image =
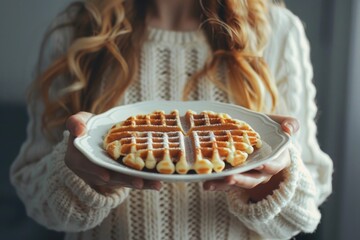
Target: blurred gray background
{"points": [[333, 28]]}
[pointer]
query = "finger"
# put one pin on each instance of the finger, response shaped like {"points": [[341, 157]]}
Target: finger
{"points": [[248, 180], [214, 185], [259, 168], [288, 124], [115, 184], [275, 166], [105, 190], [91, 179], [129, 183], [76, 124], [217, 185], [154, 185], [126, 180], [271, 168]]}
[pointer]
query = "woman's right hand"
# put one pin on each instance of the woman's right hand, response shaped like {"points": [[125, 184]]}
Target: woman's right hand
{"points": [[100, 179]]}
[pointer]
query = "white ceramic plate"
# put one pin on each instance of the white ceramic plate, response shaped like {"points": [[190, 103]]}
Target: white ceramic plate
{"points": [[274, 139]]}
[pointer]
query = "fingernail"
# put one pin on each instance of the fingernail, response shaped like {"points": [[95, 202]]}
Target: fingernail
{"points": [[289, 127], [211, 188], [259, 167], [79, 130]]}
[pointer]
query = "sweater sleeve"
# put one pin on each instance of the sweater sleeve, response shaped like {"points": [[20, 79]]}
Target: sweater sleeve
{"points": [[53, 195], [290, 209], [293, 207], [297, 98]]}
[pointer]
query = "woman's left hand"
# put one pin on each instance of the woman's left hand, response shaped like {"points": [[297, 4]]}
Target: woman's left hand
{"points": [[264, 179]]}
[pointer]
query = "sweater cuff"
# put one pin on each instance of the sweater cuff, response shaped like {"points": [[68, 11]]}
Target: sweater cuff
{"points": [[78, 187], [271, 206]]}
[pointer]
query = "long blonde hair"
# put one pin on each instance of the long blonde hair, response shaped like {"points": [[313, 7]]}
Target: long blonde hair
{"points": [[108, 36]]}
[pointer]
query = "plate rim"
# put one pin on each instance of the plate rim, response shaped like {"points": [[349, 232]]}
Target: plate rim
{"points": [[178, 177]]}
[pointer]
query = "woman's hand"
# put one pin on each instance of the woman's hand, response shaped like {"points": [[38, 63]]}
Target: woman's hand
{"points": [[101, 179], [263, 180]]}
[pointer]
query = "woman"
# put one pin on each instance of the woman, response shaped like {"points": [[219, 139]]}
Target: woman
{"points": [[108, 52]]}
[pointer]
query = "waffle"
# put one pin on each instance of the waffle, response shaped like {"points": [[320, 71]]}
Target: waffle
{"points": [[213, 148], [151, 149], [202, 142], [157, 121], [208, 120]]}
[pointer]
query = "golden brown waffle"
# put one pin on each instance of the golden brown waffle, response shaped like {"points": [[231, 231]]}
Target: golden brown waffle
{"points": [[150, 149], [214, 148], [157, 141], [157, 121], [208, 120]]}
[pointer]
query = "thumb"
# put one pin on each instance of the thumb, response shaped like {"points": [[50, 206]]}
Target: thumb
{"points": [[76, 124], [288, 124]]}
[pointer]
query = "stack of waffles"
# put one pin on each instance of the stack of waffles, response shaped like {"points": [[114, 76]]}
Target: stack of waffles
{"points": [[168, 143]]}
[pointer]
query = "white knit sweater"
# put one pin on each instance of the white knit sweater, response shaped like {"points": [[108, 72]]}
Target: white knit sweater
{"points": [[56, 198]]}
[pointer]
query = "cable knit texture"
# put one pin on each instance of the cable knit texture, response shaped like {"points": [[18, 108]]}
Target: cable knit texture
{"points": [[58, 199]]}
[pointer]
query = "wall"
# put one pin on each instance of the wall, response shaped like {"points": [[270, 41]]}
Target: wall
{"points": [[350, 194], [22, 25]]}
